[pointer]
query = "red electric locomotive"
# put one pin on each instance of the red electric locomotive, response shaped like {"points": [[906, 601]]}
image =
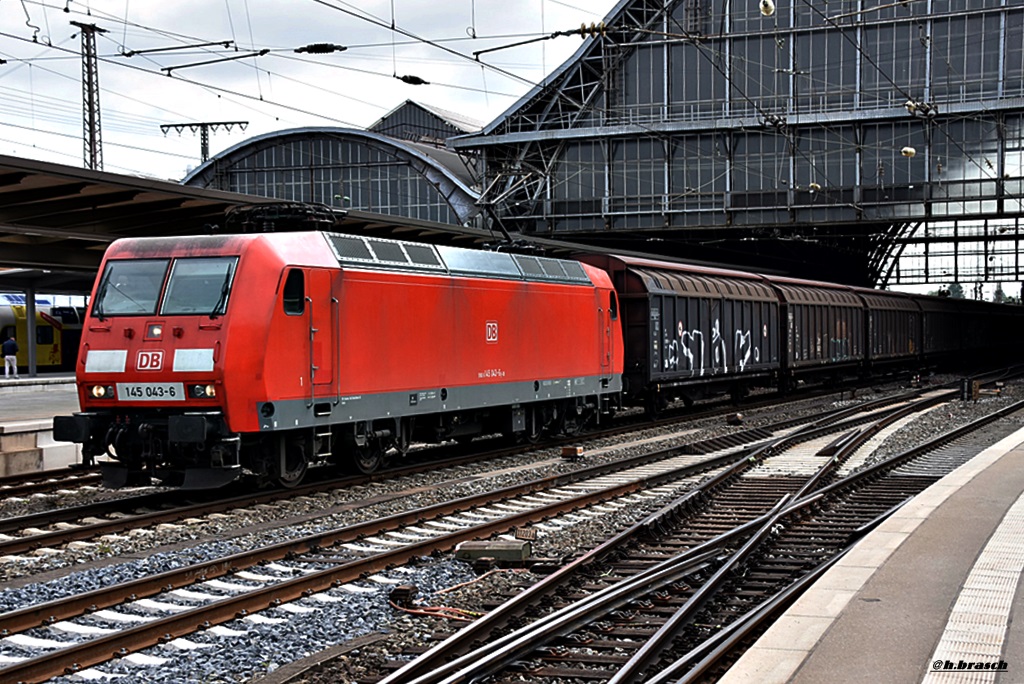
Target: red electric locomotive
{"points": [[206, 357]]}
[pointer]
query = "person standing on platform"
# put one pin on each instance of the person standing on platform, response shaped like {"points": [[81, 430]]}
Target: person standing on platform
{"points": [[10, 350]]}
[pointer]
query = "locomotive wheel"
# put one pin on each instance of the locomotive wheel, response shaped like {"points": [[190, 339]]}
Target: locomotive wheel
{"points": [[370, 458], [293, 465], [654, 405], [534, 425]]}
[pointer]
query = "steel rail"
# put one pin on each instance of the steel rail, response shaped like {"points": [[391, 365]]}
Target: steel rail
{"points": [[126, 641], [488, 657], [710, 652], [695, 664], [96, 650], [437, 666], [655, 645], [47, 481], [631, 670], [20, 478], [435, 663], [854, 441], [152, 500], [49, 612], [433, 668], [91, 530]]}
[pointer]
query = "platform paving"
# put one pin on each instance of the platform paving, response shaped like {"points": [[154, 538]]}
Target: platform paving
{"points": [[934, 588], [39, 398]]}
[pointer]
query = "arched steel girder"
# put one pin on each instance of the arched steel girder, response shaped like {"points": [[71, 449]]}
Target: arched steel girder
{"points": [[887, 250], [561, 102]]}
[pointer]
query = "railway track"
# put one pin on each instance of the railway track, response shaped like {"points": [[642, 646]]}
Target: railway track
{"points": [[57, 480], [242, 584], [27, 484], [58, 527], [682, 591]]}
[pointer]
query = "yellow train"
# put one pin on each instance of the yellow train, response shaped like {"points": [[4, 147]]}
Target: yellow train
{"points": [[58, 332]]}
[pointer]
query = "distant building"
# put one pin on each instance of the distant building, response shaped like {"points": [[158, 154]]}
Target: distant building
{"points": [[418, 122], [404, 172]]}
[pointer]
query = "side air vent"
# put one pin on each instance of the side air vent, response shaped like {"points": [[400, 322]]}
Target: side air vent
{"points": [[420, 254], [350, 248], [388, 251], [530, 265]]}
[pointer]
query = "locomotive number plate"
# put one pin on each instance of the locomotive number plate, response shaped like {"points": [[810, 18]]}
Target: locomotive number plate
{"points": [[150, 391]]}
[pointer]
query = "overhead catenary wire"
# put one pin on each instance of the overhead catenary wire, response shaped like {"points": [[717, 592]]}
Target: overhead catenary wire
{"points": [[425, 41], [415, 39]]}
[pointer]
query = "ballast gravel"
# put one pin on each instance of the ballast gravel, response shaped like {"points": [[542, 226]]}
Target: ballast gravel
{"points": [[255, 646]]}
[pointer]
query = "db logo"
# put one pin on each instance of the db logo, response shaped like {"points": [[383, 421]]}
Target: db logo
{"points": [[492, 332], [152, 360]]}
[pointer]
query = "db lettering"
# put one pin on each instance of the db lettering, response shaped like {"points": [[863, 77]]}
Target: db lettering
{"points": [[152, 360]]}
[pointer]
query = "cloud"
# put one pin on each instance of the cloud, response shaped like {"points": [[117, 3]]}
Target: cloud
{"points": [[41, 92]]}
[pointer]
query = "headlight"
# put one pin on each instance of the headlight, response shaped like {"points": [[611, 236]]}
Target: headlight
{"points": [[203, 391], [102, 391]]}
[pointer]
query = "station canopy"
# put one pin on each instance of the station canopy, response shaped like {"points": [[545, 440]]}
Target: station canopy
{"points": [[56, 221]]}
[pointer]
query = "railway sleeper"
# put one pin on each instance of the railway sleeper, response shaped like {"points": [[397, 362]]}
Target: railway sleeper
{"points": [[570, 672], [624, 631], [562, 656], [599, 644]]}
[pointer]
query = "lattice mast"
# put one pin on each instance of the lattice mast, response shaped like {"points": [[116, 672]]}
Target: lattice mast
{"points": [[91, 127]]}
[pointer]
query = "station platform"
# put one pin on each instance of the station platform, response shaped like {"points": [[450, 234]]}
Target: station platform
{"points": [[929, 596], [38, 398], [27, 408]]}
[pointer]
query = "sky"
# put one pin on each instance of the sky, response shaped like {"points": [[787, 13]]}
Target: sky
{"points": [[150, 72]]}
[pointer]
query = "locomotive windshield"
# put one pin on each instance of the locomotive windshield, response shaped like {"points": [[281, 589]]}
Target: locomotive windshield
{"points": [[130, 287], [197, 285]]}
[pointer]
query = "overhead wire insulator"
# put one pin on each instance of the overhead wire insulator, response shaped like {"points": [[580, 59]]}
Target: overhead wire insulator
{"points": [[593, 30], [767, 7], [321, 48], [412, 80], [908, 152]]}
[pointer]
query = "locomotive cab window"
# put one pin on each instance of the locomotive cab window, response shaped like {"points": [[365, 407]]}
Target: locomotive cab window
{"points": [[130, 287], [613, 306], [199, 285], [295, 293]]}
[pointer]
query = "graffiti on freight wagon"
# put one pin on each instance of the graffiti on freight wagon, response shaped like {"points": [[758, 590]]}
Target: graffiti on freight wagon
{"points": [[690, 345]]}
